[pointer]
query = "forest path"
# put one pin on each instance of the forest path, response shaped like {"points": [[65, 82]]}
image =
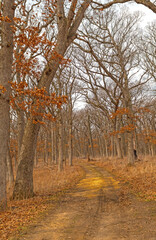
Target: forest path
{"points": [[98, 209]]}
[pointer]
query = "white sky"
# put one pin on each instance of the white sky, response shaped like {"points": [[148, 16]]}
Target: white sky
{"points": [[149, 15]]}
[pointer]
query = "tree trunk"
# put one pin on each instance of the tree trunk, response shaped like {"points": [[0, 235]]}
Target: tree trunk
{"points": [[52, 143], [106, 147], [70, 150], [24, 180], [10, 175], [112, 146], [101, 146], [60, 142], [56, 144], [90, 137], [70, 147], [118, 146], [128, 105], [46, 148], [60, 159], [36, 158], [78, 151], [20, 130], [130, 148], [6, 58]]}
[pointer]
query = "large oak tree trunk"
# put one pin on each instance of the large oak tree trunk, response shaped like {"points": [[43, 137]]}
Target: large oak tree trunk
{"points": [[24, 179], [6, 58]]}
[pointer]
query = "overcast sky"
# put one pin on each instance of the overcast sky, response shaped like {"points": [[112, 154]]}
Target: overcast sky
{"points": [[149, 15]]}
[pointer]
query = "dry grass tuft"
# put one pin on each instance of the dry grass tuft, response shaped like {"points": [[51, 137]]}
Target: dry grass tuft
{"points": [[48, 180]]}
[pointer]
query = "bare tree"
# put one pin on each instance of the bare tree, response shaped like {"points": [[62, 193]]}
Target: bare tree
{"points": [[111, 64], [148, 50]]}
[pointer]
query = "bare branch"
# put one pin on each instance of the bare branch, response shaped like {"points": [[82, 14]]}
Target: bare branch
{"points": [[146, 3]]}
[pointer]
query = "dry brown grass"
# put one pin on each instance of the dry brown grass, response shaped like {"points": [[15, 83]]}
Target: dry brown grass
{"points": [[48, 180], [141, 176], [49, 185]]}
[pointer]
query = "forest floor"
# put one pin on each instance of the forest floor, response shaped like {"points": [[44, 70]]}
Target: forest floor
{"points": [[49, 186], [99, 207]]}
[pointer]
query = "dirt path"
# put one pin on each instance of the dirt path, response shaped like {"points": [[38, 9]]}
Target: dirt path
{"points": [[98, 209]]}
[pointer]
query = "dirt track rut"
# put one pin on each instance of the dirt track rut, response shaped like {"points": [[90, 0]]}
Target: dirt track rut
{"points": [[97, 209]]}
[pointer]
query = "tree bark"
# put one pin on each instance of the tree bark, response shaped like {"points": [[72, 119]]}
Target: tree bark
{"points": [[60, 143], [106, 147], [112, 146], [10, 175], [46, 153], [36, 158], [24, 180], [118, 146], [20, 130], [130, 146], [6, 59], [101, 146], [56, 143], [70, 150], [90, 136], [52, 143]]}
